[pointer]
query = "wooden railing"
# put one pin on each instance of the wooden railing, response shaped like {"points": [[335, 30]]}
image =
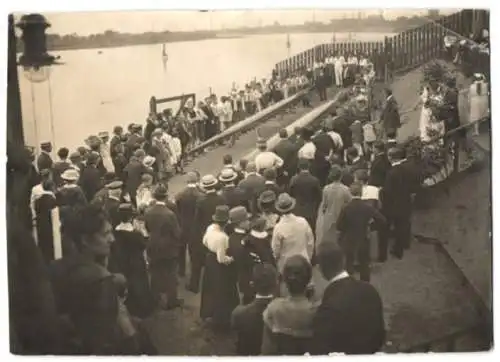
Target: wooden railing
{"points": [[405, 50]]}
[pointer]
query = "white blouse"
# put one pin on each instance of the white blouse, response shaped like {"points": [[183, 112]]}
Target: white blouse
{"points": [[217, 241]]}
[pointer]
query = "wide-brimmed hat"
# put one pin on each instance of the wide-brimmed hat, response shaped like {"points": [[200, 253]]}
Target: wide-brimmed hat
{"points": [[285, 203], [267, 197], [149, 161], [221, 213], [238, 214], [227, 175], [157, 132], [45, 145], [103, 134], [114, 185], [208, 181], [70, 175]]}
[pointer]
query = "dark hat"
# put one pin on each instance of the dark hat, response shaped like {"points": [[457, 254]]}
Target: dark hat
{"points": [[297, 268], [126, 207], [109, 177], [75, 155], [267, 197], [208, 181], [227, 175], [221, 213], [285, 203], [238, 214], [114, 185], [160, 191], [118, 129]]}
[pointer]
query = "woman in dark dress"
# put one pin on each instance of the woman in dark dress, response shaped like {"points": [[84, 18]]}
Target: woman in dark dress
{"points": [[219, 294], [127, 258], [258, 243]]}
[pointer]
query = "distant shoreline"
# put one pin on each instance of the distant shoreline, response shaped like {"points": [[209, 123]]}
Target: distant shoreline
{"points": [[114, 39]]}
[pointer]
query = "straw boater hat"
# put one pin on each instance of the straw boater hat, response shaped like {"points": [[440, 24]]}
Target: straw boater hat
{"points": [[208, 181], [70, 175], [285, 203], [149, 161], [238, 214], [227, 175], [114, 185], [103, 134], [221, 213]]}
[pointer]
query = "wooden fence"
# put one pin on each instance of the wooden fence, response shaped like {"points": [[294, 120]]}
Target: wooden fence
{"points": [[405, 50]]}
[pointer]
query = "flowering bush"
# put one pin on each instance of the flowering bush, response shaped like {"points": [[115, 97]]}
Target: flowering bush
{"points": [[431, 157]]}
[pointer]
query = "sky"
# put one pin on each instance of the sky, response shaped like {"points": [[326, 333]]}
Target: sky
{"points": [[85, 23]]}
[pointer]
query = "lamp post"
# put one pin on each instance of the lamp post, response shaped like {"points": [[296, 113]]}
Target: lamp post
{"points": [[35, 60]]}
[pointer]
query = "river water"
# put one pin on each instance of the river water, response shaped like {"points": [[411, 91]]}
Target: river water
{"points": [[95, 90]]}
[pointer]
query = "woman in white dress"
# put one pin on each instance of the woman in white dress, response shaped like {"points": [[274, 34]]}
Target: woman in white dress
{"points": [[425, 114], [478, 101]]}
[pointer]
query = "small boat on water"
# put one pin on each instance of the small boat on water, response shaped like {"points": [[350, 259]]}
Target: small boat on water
{"points": [[164, 54]]}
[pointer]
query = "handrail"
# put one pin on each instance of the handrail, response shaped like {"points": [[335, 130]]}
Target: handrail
{"points": [[251, 121]]}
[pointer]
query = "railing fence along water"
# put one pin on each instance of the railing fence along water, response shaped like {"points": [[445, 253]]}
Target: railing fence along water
{"points": [[408, 49]]}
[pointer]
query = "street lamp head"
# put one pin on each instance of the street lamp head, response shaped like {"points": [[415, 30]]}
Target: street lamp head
{"points": [[35, 57]]}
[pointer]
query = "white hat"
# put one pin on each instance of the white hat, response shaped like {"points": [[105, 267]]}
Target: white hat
{"points": [[70, 175], [149, 161]]}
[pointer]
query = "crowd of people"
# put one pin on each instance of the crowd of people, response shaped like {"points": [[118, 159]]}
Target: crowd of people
{"points": [[116, 241]]}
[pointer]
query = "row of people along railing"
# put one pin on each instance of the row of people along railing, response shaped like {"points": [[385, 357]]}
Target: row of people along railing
{"points": [[403, 51]]}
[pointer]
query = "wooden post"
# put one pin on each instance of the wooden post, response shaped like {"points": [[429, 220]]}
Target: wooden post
{"points": [[152, 105], [15, 133]]}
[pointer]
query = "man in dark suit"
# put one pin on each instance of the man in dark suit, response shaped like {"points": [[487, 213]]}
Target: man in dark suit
{"points": [[112, 202], [350, 317], [163, 250], [287, 150], [389, 118], [307, 191], [252, 186], [247, 320], [270, 176], [90, 178], [380, 165], [354, 225], [231, 194], [321, 85], [133, 174], [396, 197], [186, 207], [60, 166], [44, 160], [205, 208]]}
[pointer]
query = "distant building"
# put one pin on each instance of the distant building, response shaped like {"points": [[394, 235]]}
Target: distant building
{"points": [[433, 14]]}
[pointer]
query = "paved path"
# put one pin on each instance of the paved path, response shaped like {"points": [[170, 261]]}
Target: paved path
{"points": [[181, 332]]}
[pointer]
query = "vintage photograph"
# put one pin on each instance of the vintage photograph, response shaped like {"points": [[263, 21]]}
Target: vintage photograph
{"points": [[249, 182]]}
